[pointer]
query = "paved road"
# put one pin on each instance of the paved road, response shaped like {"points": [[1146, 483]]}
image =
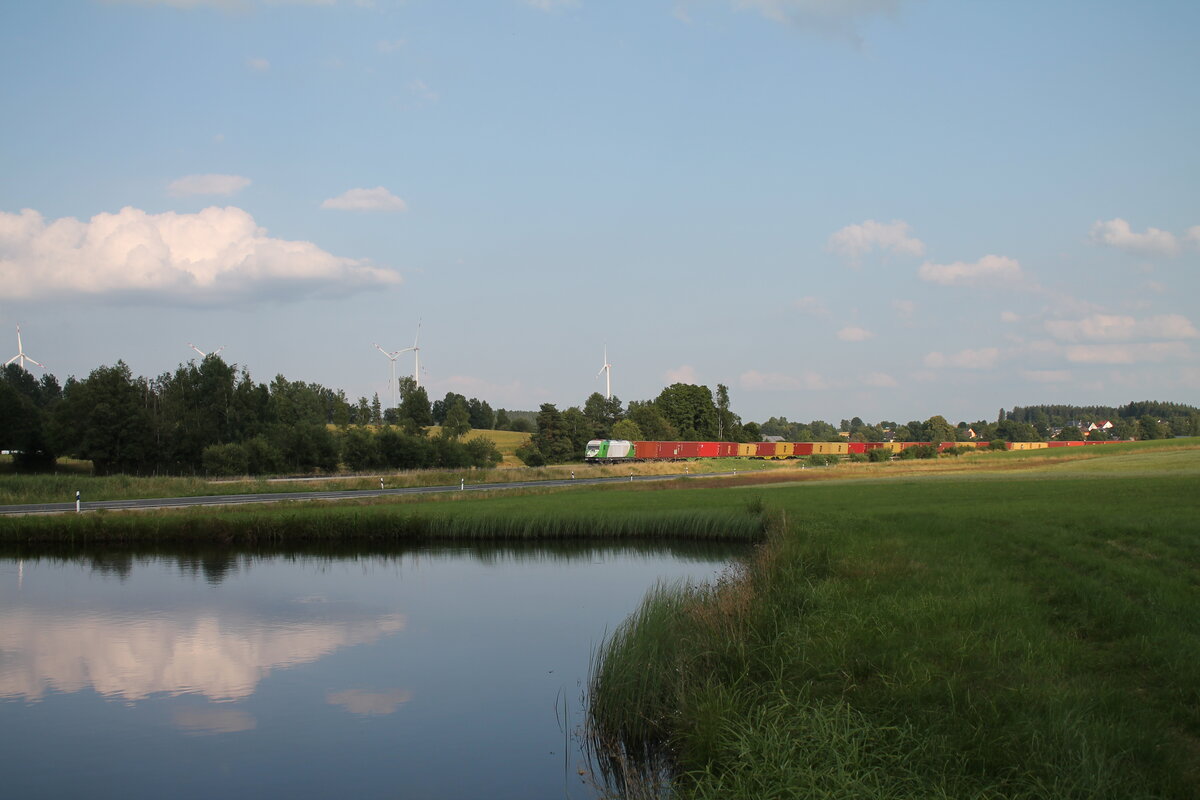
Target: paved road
{"points": [[277, 497]]}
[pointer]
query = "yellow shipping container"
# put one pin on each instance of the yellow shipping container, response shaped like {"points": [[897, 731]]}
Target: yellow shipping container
{"points": [[831, 448], [747, 449]]}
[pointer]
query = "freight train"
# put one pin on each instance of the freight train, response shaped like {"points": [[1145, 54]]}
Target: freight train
{"points": [[612, 451]]}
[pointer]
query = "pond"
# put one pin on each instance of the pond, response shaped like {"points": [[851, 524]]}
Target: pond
{"points": [[420, 673]]}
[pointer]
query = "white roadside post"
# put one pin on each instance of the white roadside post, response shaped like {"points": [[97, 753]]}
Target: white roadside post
{"points": [[76, 501], [462, 486]]}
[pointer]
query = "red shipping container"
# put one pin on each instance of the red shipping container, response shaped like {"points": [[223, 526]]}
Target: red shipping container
{"points": [[708, 449], [764, 449], [804, 448], [726, 449], [857, 447]]}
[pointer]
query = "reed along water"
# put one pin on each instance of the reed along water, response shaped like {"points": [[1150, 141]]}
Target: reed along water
{"points": [[419, 673]]}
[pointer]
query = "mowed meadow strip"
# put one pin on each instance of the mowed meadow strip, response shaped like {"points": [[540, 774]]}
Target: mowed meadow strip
{"points": [[1024, 637]]}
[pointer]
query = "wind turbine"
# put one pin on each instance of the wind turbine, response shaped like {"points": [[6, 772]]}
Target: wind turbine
{"points": [[607, 370], [392, 357], [21, 354], [416, 351], [204, 354]]}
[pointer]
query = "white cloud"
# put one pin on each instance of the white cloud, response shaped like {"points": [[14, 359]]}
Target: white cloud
{"points": [[853, 242], [391, 46], [904, 308], [1116, 328], [988, 269], [1009, 316], [984, 358], [1046, 375], [852, 333], [215, 255], [258, 64], [207, 184], [681, 374], [422, 91], [837, 18], [753, 380], [1153, 352], [812, 305], [377, 199], [880, 380], [1117, 233]]}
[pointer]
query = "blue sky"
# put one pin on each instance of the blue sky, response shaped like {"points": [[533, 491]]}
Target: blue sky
{"points": [[880, 208]]}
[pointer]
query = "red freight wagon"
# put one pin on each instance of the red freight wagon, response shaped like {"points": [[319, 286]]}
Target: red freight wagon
{"points": [[765, 449], [857, 447], [708, 449], [725, 449], [646, 450], [804, 448]]}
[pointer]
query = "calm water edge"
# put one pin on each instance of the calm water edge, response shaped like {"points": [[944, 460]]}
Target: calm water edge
{"points": [[431, 673]]}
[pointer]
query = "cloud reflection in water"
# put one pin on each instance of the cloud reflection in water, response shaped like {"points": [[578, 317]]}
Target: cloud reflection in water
{"points": [[133, 658]]}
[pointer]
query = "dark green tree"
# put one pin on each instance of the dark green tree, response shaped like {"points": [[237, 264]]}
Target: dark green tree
{"points": [[415, 412], [105, 420], [457, 421], [690, 410], [652, 423]]}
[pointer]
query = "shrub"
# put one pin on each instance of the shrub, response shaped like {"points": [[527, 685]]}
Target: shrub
{"points": [[483, 452], [225, 459], [879, 454], [920, 451], [530, 455]]}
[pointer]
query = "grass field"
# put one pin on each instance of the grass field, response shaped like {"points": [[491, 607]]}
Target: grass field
{"points": [[1030, 633]]}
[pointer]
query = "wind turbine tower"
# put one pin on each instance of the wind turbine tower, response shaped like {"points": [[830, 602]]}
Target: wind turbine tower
{"points": [[204, 354], [20, 356], [392, 357], [607, 370], [416, 348]]}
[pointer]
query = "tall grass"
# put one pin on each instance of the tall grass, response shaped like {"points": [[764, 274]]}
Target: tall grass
{"points": [[466, 520], [933, 638]]}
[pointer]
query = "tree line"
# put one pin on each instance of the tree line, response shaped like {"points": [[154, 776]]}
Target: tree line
{"points": [[209, 417]]}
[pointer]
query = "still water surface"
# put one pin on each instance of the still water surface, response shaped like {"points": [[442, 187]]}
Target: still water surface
{"points": [[435, 673]]}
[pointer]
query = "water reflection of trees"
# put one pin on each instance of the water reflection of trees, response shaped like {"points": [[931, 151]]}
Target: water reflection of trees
{"points": [[215, 563]]}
